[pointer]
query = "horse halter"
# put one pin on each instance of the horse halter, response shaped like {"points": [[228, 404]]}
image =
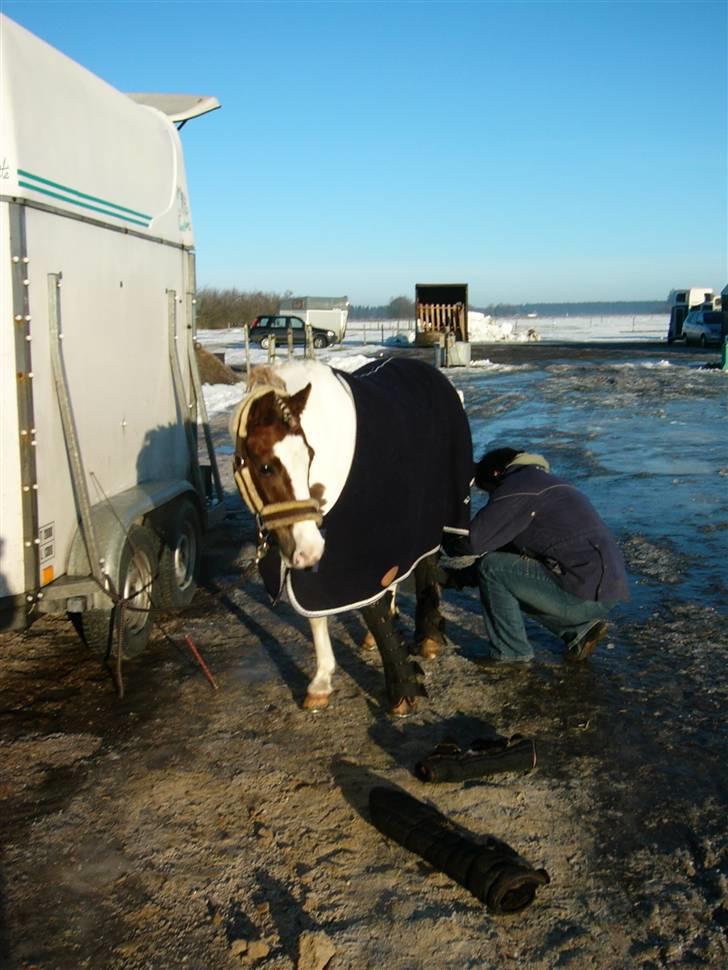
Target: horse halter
{"points": [[269, 515]]}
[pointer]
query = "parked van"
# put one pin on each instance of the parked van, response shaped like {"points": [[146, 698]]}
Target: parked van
{"points": [[705, 327], [681, 302], [103, 502]]}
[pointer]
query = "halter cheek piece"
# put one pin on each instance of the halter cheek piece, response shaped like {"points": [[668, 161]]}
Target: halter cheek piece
{"points": [[269, 515]]}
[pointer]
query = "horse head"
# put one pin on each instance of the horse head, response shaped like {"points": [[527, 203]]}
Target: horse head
{"points": [[272, 464]]}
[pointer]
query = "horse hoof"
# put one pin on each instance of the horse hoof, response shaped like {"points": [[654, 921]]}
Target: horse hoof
{"points": [[315, 702], [404, 707], [428, 649], [368, 643]]}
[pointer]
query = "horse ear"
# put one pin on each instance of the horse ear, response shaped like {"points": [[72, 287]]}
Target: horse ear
{"points": [[297, 401], [317, 491]]}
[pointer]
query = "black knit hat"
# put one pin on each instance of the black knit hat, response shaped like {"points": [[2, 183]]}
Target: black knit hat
{"points": [[492, 465]]}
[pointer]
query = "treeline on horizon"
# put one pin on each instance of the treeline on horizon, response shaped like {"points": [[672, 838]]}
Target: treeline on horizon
{"points": [[222, 308], [593, 309]]}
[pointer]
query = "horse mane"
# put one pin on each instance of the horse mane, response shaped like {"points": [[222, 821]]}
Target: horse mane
{"points": [[267, 375]]}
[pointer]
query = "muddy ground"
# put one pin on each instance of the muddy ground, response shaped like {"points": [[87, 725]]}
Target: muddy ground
{"points": [[183, 826]]}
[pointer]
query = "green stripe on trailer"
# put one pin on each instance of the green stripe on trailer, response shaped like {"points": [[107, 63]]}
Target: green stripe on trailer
{"points": [[120, 209]]}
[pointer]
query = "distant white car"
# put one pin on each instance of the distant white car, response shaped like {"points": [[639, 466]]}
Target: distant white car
{"points": [[703, 327]]}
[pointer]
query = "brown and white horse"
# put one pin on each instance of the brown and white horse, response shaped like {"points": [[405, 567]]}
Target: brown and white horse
{"points": [[320, 460]]}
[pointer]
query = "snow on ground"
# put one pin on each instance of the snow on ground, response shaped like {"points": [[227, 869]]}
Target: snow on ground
{"points": [[366, 339]]}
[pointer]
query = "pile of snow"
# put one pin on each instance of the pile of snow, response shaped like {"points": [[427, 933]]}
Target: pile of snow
{"points": [[482, 328]]}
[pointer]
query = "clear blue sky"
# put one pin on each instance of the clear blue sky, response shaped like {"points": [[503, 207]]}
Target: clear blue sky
{"points": [[539, 151]]}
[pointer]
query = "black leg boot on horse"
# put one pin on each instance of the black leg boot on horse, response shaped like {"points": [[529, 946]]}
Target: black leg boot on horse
{"points": [[400, 671], [429, 621]]}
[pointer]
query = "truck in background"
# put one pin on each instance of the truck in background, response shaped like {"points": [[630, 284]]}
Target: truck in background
{"points": [[325, 312], [103, 499]]}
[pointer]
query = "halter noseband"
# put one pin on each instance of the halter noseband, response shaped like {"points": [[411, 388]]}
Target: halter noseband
{"points": [[270, 515]]}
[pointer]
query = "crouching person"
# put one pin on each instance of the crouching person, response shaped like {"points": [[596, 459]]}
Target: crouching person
{"points": [[543, 550]]}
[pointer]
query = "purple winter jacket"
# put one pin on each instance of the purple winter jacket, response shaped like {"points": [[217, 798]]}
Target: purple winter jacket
{"points": [[536, 513]]}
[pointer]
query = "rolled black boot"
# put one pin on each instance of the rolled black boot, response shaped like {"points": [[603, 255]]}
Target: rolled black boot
{"points": [[491, 870], [485, 756]]}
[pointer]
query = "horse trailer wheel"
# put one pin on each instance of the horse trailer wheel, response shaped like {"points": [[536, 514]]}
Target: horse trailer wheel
{"points": [[319, 341], [137, 569], [180, 557]]}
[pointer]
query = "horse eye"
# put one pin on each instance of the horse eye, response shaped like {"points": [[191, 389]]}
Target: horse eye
{"points": [[266, 469]]}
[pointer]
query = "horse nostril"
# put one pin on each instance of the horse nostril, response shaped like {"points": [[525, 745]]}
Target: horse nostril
{"points": [[302, 560]]}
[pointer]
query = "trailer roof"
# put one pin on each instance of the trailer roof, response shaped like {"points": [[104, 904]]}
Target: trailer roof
{"points": [[315, 303], [76, 145], [177, 107]]}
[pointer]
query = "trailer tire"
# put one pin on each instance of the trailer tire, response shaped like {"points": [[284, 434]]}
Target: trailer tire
{"points": [[137, 580], [179, 558]]}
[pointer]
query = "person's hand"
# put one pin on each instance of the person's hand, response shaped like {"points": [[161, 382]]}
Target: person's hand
{"points": [[454, 545], [449, 578]]}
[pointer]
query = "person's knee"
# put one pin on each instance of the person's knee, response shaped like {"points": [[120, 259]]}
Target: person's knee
{"points": [[492, 564]]}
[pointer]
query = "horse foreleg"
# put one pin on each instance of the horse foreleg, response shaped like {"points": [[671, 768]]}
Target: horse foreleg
{"points": [[320, 688], [400, 672], [369, 643], [429, 621]]}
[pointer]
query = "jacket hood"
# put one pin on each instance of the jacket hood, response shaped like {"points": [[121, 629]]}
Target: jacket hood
{"points": [[526, 458]]}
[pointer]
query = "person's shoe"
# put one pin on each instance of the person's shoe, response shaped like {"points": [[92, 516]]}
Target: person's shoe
{"points": [[585, 646], [493, 663]]}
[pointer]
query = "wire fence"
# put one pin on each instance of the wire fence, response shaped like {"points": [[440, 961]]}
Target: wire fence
{"points": [[379, 331], [615, 327]]}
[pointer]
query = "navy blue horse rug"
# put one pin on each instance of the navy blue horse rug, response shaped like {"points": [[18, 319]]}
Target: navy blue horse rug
{"points": [[409, 481]]}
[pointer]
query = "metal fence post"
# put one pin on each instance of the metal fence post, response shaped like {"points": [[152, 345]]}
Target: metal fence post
{"points": [[246, 345]]}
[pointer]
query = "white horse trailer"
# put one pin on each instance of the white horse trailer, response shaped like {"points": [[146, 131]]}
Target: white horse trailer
{"points": [[103, 501], [327, 312]]}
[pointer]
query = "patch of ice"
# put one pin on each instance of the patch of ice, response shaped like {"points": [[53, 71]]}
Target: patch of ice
{"points": [[648, 364], [501, 368]]}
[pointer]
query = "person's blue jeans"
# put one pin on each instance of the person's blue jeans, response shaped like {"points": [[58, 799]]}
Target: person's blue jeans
{"points": [[511, 585]]}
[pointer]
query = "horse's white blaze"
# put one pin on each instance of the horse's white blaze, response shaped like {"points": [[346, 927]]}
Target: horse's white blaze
{"points": [[309, 543], [329, 421]]}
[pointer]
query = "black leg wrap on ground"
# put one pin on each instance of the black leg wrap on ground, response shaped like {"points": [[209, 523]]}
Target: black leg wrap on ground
{"points": [[485, 756], [491, 870], [400, 672]]}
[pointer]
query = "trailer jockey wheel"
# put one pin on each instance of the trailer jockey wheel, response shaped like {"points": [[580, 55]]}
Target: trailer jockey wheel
{"points": [[136, 580], [180, 556]]}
